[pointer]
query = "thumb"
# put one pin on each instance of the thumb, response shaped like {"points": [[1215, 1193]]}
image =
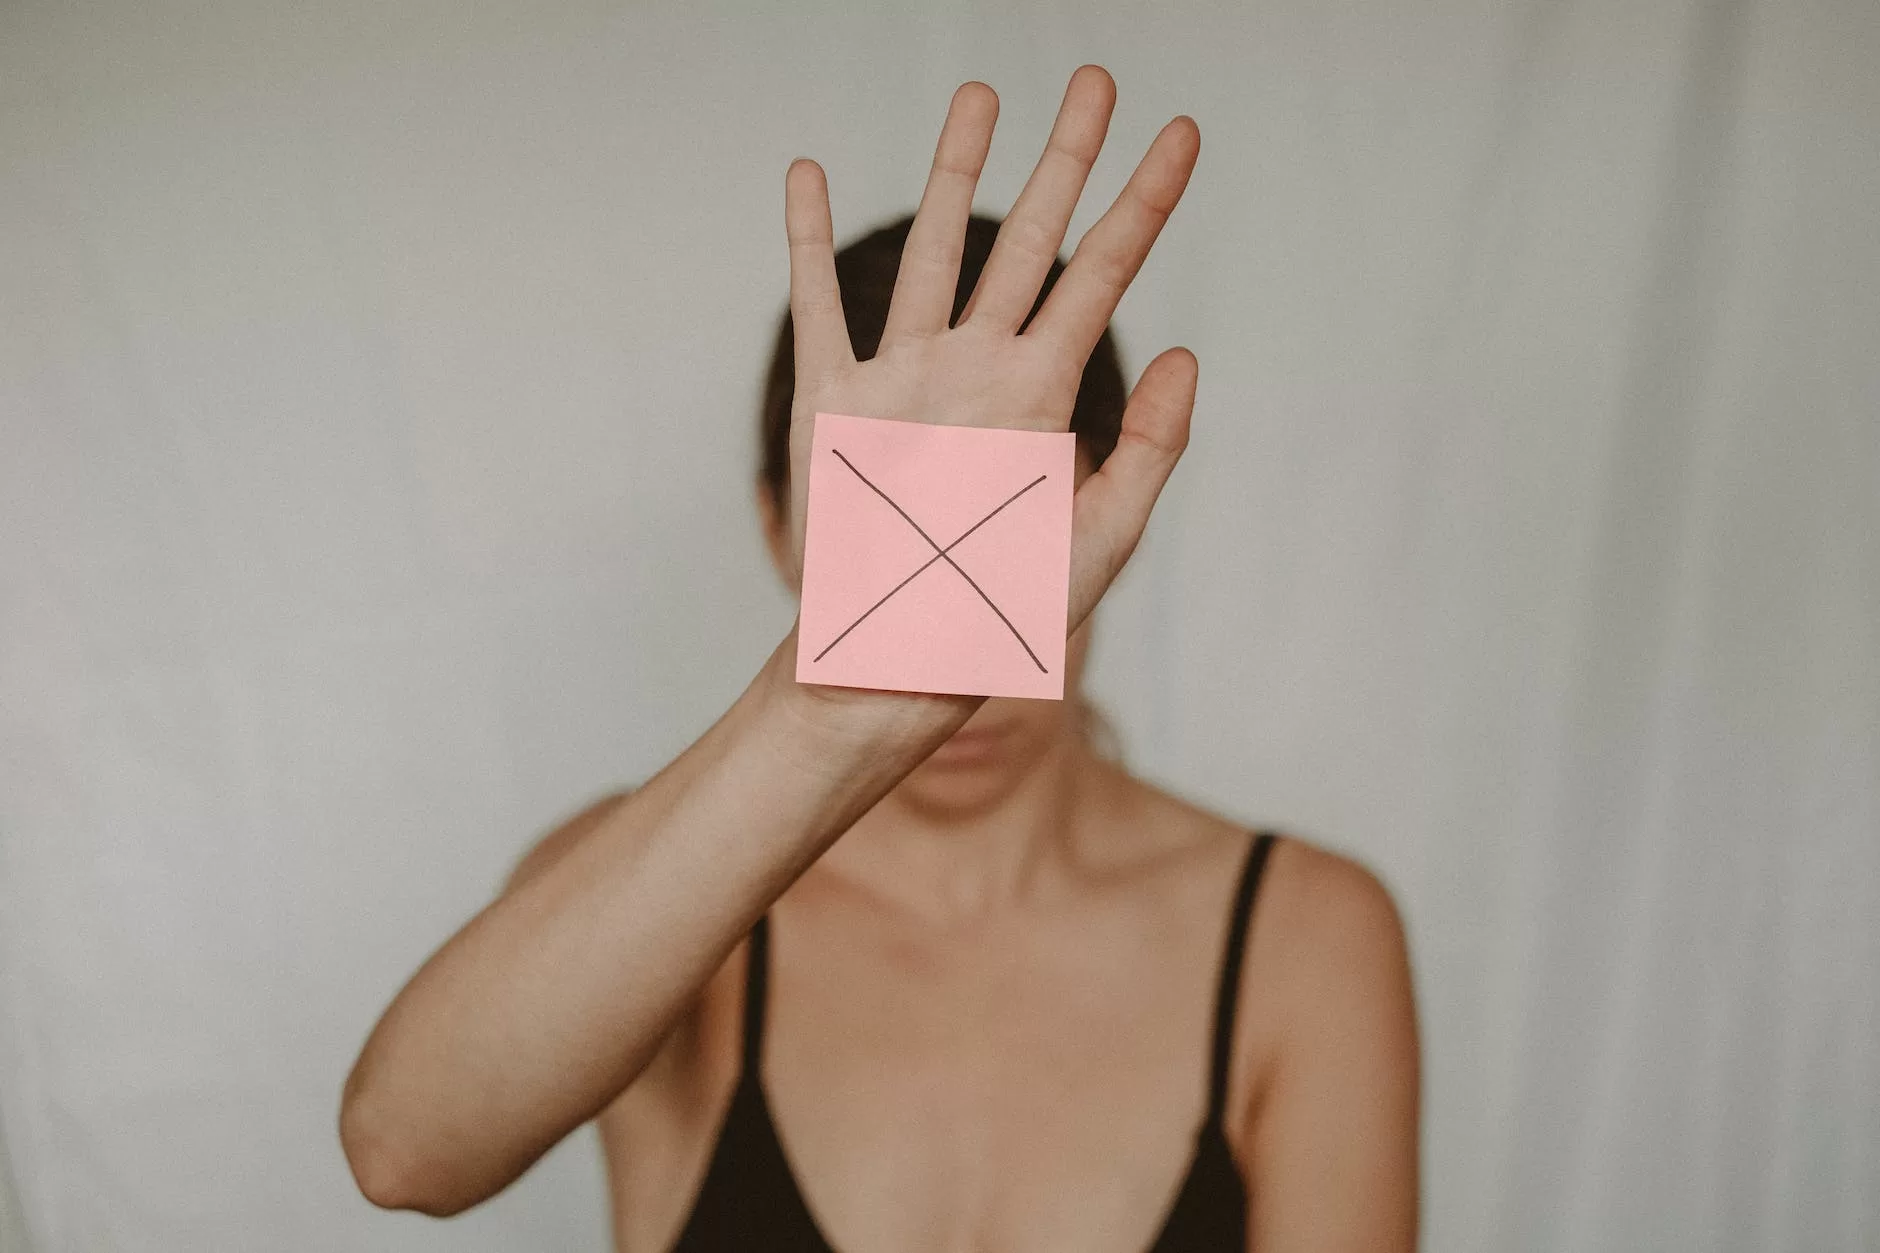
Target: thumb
{"points": [[1112, 507]]}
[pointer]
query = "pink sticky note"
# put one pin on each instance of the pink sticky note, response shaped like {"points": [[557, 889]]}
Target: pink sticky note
{"points": [[937, 558]]}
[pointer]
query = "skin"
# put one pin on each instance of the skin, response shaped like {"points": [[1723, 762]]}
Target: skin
{"points": [[994, 952]]}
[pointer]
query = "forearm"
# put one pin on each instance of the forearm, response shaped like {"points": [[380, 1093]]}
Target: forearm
{"points": [[553, 999]]}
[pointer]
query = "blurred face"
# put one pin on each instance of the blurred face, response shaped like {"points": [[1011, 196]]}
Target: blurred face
{"points": [[1003, 742], [1005, 739]]}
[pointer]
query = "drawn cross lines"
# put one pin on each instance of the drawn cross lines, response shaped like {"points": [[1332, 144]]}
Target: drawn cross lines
{"points": [[939, 554]]}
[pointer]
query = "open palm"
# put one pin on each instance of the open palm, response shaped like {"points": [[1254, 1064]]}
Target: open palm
{"points": [[982, 371]]}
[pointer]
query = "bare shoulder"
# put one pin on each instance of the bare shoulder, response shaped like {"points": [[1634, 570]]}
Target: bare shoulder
{"points": [[1144, 827], [1325, 909], [1316, 906], [1331, 1061], [1327, 959], [1322, 920], [1323, 1082]]}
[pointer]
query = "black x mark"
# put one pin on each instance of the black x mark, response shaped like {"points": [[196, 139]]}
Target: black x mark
{"points": [[939, 554]]}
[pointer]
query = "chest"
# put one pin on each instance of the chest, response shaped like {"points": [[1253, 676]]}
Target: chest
{"points": [[1001, 1091]]}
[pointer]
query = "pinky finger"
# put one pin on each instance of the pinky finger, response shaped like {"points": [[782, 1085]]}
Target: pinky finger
{"points": [[1112, 507], [821, 332]]}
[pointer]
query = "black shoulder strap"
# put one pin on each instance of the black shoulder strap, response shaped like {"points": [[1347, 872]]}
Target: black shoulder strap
{"points": [[1229, 991], [756, 977]]}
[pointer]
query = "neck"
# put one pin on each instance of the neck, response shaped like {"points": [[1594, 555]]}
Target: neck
{"points": [[961, 865]]}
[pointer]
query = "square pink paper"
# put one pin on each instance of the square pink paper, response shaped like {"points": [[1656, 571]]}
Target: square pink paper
{"points": [[883, 608]]}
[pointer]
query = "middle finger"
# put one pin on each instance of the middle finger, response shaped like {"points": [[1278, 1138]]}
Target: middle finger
{"points": [[1031, 234]]}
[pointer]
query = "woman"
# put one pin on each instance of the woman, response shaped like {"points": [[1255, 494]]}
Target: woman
{"points": [[889, 971]]}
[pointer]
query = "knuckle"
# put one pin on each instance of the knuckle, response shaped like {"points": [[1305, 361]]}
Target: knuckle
{"points": [[1156, 207], [1079, 151], [1162, 449], [1112, 268], [1030, 237], [815, 304], [933, 254], [961, 162]]}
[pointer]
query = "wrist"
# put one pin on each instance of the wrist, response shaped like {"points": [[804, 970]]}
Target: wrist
{"points": [[847, 726]]}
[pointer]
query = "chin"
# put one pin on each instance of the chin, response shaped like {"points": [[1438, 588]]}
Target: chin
{"points": [[971, 774], [956, 794]]}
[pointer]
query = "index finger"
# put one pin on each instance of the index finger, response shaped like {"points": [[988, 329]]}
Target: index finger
{"points": [[1113, 249]]}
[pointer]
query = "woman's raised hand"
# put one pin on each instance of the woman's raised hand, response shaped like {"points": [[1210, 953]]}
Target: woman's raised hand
{"points": [[983, 371]]}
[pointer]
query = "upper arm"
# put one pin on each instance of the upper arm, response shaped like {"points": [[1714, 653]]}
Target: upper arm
{"points": [[552, 847], [1334, 1134]]}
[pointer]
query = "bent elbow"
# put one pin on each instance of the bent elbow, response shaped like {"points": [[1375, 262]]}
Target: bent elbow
{"points": [[389, 1171]]}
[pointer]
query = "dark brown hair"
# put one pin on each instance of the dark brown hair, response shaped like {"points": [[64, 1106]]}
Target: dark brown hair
{"points": [[865, 271]]}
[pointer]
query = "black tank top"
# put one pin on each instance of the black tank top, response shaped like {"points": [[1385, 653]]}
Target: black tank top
{"points": [[750, 1201]]}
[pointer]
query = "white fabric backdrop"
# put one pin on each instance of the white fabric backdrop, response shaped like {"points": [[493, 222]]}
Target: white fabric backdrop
{"points": [[378, 385]]}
